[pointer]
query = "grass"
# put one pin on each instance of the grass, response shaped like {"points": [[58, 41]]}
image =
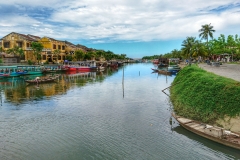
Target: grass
{"points": [[204, 96]]}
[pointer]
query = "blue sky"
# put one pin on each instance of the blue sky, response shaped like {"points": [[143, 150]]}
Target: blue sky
{"points": [[137, 28]]}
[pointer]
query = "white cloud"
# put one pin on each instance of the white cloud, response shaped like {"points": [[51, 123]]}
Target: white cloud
{"points": [[108, 20]]}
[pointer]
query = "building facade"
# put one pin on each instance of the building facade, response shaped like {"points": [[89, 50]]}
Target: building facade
{"points": [[54, 51]]}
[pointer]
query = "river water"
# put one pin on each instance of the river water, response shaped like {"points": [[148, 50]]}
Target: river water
{"points": [[102, 116]]}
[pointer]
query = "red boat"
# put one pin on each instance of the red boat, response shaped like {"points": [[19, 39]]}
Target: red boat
{"points": [[81, 68]]}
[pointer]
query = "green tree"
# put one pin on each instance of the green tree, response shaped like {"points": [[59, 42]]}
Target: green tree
{"points": [[37, 48], [231, 45], [187, 47], [199, 49], [205, 32], [79, 55]]}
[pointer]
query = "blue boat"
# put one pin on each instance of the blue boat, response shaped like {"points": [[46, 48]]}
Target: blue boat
{"points": [[30, 70]]}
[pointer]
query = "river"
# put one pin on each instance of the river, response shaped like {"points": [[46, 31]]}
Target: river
{"points": [[102, 116]]}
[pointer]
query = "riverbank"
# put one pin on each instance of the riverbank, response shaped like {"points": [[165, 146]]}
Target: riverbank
{"points": [[204, 96]]}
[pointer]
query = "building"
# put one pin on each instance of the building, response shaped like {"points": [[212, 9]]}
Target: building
{"points": [[54, 51]]}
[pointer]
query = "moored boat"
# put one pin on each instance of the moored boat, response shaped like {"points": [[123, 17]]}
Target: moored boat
{"points": [[213, 133], [30, 70], [38, 80], [85, 66], [4, 75]]}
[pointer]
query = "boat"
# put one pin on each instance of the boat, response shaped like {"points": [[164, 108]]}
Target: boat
{"points": [[2, 75], [11, 70], [216, 134], [30, 70], [155, 61], [21, 72], [54, 69], [38, 80], [173, 69], [160, 65], [161, 71], [85, 66], [154, 70]]}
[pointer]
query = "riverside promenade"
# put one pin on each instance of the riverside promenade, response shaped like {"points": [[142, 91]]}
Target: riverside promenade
{"points": [[226, 70]]}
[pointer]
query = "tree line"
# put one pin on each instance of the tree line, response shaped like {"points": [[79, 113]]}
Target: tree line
{"points": [[192, 47]]}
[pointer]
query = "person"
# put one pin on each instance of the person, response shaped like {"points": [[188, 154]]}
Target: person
{"points": [[37, 79]]}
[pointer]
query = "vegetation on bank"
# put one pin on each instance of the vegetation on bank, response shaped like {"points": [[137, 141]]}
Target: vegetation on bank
{"points": [[204, 96], [193, 48]]}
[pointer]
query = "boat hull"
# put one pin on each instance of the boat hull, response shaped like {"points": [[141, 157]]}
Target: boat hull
{"points": [[205, 135]]}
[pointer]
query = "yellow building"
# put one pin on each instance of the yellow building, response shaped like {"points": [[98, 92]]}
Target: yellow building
{"points": [[20, 40], [54, 51]]}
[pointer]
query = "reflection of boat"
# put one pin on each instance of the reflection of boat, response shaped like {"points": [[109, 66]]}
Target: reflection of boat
{"points": [[213, 133], [38, 80]]}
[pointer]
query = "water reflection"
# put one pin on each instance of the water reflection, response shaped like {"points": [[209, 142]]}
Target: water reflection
{"points": [[219, 148], [16, 90]]}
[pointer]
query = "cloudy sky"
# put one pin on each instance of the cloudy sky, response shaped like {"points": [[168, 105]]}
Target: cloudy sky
{"points": [[134, 27]]}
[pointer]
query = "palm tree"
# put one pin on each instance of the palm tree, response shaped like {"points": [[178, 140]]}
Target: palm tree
{"points": [[187, 48], [199, 49], [205, 32]]}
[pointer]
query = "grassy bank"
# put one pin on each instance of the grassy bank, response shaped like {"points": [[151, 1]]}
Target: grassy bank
{"points": [[204, 96]]}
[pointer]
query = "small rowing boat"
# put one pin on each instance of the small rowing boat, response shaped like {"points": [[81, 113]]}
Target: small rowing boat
{"points": [[213, 133], [38, 80]]}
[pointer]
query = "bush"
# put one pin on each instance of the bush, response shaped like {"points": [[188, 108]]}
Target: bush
{"points": [[30, 62]]}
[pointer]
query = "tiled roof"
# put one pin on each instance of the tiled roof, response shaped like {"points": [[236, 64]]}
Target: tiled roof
{"points": [[26, 37]]}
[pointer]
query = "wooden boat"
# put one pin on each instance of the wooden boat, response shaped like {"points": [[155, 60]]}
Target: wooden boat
{"points": [[165, 72], [38, 80], [154, 70], [213, 133]]}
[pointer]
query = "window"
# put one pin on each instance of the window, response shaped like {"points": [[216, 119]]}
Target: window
{"points": [[28, 45], [63, 47], [54, 46], [19, 44], [59, 57], [6, 44], [59, 46], [44, 57]]}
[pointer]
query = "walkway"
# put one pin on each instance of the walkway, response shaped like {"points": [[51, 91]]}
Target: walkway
{"points": [[226, 70]]}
